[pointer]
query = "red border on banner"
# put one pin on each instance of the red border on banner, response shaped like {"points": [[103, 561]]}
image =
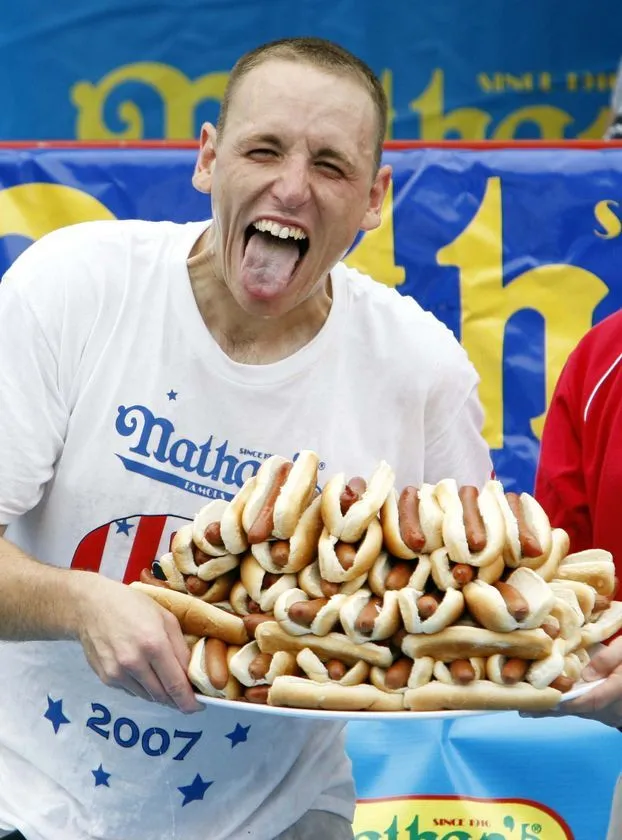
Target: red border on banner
{"points": [[389, 145]]}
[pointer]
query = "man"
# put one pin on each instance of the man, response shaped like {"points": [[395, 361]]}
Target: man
{"points": [[579, 484], [143, 366]]}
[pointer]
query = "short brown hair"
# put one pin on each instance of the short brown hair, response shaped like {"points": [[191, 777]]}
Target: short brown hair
{"points": [[320, 53]]}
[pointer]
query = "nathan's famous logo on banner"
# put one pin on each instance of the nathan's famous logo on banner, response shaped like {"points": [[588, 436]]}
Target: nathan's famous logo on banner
{"points": [[457, 818], [97, 103]]}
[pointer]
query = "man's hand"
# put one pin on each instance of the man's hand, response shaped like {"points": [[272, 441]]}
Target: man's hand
{"points": [[132, 643], [603, 703]]}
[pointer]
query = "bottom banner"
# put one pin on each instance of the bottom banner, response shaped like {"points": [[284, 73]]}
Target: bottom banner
{"points": [[490, 777]]}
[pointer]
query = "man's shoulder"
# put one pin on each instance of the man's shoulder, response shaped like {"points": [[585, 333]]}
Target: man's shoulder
{"points": [[390, 311]]}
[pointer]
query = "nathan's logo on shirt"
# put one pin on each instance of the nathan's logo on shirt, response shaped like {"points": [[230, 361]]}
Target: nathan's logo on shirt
{"points": [[156, 446]]}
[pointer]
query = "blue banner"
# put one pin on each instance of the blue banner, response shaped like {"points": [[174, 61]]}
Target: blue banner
{"points": [[518, 251], [470, 69]]}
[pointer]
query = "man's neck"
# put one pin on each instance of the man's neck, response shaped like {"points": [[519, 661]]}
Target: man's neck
{"points": [[248, 340]]}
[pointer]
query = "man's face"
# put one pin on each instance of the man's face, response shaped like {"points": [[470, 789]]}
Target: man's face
{"points": [[292, 180]]}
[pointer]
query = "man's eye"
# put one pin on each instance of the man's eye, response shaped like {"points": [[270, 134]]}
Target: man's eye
{"points": [[261, 154], [329, 167]]}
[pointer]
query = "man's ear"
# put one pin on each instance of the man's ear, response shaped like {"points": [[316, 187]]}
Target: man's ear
{"points": [[206, 159], [373, 214]]}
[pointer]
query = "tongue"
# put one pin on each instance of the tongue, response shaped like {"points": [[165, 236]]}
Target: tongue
{"points": [[268, 264]]}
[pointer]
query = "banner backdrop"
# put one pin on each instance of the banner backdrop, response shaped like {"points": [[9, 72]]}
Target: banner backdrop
{"points": [[518, 251], [471, 69]]}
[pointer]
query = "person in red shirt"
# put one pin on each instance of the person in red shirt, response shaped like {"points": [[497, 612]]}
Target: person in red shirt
{"points": [[579, 484]]}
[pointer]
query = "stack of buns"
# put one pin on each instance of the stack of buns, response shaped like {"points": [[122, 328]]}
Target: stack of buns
{"points": [[363, 596]]}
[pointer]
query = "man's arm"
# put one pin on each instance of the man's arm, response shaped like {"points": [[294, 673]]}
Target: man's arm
{"points": [[128, 639]]}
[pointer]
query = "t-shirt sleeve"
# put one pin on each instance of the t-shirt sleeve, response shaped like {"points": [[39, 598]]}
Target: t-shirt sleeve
{"points": [[560, 483], [33, 414]]}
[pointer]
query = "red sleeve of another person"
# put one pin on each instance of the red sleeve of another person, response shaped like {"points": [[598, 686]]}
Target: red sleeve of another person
{"points": [[579, 476]]}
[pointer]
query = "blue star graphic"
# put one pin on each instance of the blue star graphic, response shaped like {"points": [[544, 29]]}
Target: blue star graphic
{"points": [[239, 735], [55, 714], [194, 791], [101, 777], [123, 527], [172, 395]]}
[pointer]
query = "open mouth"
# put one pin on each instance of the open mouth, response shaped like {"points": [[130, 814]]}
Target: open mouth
{"points": [[276, 235]]}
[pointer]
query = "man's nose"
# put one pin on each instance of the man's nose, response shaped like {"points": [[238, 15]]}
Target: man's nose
{"points": [[291, 186]]}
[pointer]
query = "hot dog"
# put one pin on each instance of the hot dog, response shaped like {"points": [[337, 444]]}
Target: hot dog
{"points": [[302, 693], [367, 618], [481, 694], [389, 574], [412, 522], [206, 528], [311, 581], [263, 587], [460, 671], [604, 626], [166, 571], [463, 641], [333, 670], [252, 667], [473, 528], [426, 612], [528, 533], [291, 556], [299, 615], [197, 617], [209, 669], [449, 575], [341, 562], [283, 490], [271, 637], [193, 562], [521, 602], [403, 674], [351, 526]]}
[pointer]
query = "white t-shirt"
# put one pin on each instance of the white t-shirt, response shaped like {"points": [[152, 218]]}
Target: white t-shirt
{"points": [[120, 416]]}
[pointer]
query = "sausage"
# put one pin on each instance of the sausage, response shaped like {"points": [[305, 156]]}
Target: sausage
{"points": [[473, 523], [263, 525], [514, 670], [336, 669], [212, 534], [366, 619], [252, 622], [463, 573], [516, 605], [268, 580], [562, 683], [257, 694], [147, 576], [351, 493], [601, 602], [196, 586], [398, 577], [529, 543], [397, 674], [410, 524], [427, 605], [346, 554], [259, 666], [551, 627], [304, 612], [279, 552], [215, 663], [462, 671], [328, 588]]}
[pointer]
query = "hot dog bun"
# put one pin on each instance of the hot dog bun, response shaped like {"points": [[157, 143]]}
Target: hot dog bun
{"points": [[296, 494], [351, 526], [365, 553], [482, 694], [199, 677], [313, 668], [319, 622], [282, 662], [195, 616], [454, 531], [302, 693], [463, 641], [302, 546], [535, 520], [271, 637], [489, 606], [430, 521]]}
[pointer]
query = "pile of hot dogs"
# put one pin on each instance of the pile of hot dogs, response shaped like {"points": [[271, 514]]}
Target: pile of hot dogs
{"points": [[363, 597]]}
